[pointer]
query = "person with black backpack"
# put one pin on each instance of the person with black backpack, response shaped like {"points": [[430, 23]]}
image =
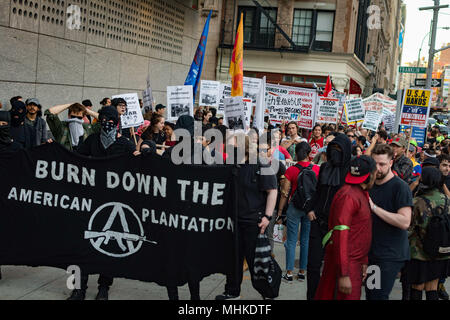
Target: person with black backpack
{"points": [[429, 237], [301, 180]]}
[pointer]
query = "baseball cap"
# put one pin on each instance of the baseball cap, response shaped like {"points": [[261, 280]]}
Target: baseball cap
{"points": [[400, 141], [160, 106], [32, 101], [412, 148], [360, 169], [431, 161]]}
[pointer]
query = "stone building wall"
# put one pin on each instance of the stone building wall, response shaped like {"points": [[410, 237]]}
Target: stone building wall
{"points": [[118, 44]]}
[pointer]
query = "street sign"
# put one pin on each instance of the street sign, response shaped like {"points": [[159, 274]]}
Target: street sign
{"points": [[412, 70], [435, 83]]}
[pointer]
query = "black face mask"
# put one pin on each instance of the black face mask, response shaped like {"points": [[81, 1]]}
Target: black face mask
{"points": [[5, 136], [15, 122], [335, 157], [108, 126]]}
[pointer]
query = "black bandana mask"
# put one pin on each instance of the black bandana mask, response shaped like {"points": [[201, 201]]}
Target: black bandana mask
{"points": [[108, 126], [18, 110]]}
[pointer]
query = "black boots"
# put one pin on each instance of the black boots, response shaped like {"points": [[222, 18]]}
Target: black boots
{"points": [[77, 294]]}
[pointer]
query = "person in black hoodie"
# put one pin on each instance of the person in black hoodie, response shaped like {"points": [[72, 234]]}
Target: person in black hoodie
{"points": [[7, 144], [21, 133], [331, 178]]}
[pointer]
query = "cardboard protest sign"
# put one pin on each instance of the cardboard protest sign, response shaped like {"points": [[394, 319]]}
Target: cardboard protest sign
{"points": [[389, 119], [133, 116], [371, 120], [327, 110], [179, 101], [291, 104], [258, 121], [234, 113], [209, 93], [248, 107], [225, 92], [416, 107], [354, 110], [147, 99]]}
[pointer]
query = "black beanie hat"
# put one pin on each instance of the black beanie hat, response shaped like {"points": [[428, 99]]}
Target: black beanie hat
{"points": [[431, 177], [186, 122], [108, 113]]}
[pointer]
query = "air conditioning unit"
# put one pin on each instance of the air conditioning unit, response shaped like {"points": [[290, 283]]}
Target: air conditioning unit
{"points": [[208, 5]]}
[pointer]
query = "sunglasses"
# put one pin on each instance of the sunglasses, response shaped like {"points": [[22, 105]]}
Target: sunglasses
{"points": [[350, 136], [77, 117]]}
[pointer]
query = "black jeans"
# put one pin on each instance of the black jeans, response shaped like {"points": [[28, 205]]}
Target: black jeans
{"points": [[103, 281], [247, 235], [389, 271], [315, 258], [194, 289]]}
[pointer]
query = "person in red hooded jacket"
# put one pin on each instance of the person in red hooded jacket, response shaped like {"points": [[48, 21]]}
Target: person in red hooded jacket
{"points": [[348, 241]]}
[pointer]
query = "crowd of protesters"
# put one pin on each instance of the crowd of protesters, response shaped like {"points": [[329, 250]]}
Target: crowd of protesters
{"points": [[352, 198]]}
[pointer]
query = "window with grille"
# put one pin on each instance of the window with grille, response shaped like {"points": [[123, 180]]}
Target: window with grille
{"points": [[314, 28], [258, 30]]}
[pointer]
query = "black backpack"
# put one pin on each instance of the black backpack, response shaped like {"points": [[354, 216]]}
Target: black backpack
{"points": [[306, 187], [436, 242]]}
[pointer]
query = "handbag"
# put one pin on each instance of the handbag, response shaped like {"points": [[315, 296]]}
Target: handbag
{"points": [[266, 271]]}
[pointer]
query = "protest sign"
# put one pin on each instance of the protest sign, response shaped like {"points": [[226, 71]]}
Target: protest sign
{"points": [[209, 93], [179, 102], [260, 107], [341, 96], [354, 110], [371, 120], [291, 104], [415, 107], [248, 107], [147, 99], [418, 134], [225, 92], [327, 110], [251, 88], [133, 115], [234, 113], [124, 216], [377, 102]]}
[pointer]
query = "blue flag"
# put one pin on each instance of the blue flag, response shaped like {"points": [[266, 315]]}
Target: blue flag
{"points": [[195, 72]]}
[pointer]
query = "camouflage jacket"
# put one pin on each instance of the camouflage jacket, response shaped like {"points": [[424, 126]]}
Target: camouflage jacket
{"points": [[403, 168], [419, 221]]}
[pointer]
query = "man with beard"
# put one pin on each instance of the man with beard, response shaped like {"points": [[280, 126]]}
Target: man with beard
{"points": [[348, 241], [73, 131], [106, 143], [34, 120], [402, 166], [20, 133], [391, 203], [331, 178]]}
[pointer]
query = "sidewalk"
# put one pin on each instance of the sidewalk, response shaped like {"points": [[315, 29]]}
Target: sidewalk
{"points": [[44, 283]]}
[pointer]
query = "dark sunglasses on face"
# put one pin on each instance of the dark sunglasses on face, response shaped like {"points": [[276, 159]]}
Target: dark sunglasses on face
{"points": [[350, 136]]}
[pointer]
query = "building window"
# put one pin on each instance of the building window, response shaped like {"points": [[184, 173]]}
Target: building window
{"points": [[258, 30], [301, 33], [313, 26]]}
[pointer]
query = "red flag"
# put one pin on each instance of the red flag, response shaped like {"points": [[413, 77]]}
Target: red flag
{"points": [[328, 87], [354, 87]]}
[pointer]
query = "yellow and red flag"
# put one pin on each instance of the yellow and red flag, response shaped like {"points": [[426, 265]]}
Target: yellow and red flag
{"points": [[237, 62]]}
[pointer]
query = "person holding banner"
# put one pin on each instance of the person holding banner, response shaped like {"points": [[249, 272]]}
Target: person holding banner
{"points": [[106, 143], [155, 131]]}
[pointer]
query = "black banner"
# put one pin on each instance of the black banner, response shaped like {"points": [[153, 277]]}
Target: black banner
{"points": [[139, 217]]}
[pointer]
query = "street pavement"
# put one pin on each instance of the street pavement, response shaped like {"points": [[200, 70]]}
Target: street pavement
{"points": [[45, 283]]}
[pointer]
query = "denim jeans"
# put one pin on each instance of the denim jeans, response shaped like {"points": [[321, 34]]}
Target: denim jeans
{"points": [[294, 218], [389, 271]]}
